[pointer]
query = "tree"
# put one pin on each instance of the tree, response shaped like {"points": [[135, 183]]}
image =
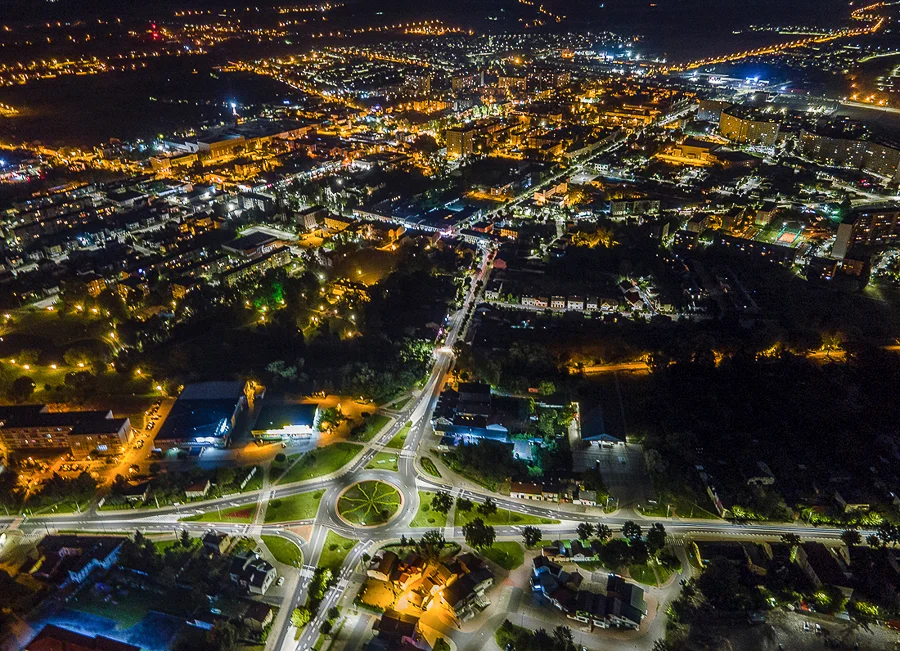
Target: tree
{"points": [[463, 504], [872, 540], [225, 476], [562, 639], [488, 508], [185, 538], [656, 537], [790, 539], [300, 617], [531, 535], [631, 530], [478, 534], [889, 533], [281, 457], [21, 389], [223, 636], [442, 502], [720, 584], [851, 537], [585, 530], [603, 532], [431, 544]]}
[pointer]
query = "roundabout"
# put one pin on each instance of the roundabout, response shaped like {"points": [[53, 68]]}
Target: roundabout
{"points": [[371, 503]]}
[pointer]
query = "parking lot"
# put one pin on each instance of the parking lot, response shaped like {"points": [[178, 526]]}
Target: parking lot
{"points": [[623, 470], [798, 632]]}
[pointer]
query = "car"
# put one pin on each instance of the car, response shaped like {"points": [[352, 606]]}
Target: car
{"points": [[806, 627], [280, 581], [818, 629]]}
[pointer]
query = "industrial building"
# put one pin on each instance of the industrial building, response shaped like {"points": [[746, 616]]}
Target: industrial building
{"points": [[205, 415]]}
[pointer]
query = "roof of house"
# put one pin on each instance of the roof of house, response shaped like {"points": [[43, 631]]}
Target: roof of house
{"points": [[56, 638], [257, 611]]}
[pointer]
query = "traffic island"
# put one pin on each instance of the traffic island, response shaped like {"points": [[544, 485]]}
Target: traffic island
{"points": [[369, 504]]}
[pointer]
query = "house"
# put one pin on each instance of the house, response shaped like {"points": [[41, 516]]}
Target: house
{"points": [[136, 493], [557, 302], [257, 616], [467, 593], [622, 606], [526, 491], [382, 565], [56, 638], [759, 474], [68, 559], [586, 498], [853, 499], [216, 542], [197, 490], [398, 631], [252, 573], [575, 303], [625, 603], [824, 566]]}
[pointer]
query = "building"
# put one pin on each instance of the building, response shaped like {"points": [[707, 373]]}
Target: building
{"points": [[694, 149], [398, 631], [204, 415], [748, 126], [471, 413], [216, 542], [638, 207], [623, 605], [275, 258], [253, 245], [82, 433], [257, 616], [252, 573], [197, 490], [868, 226], [55, 638], [534, 491], [283, 421], [710, 110], [312, 218], [879, 158], [460, 141], [70, 559]]}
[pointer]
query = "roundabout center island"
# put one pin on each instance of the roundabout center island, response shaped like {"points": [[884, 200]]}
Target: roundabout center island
{"points": [[369, 503]]}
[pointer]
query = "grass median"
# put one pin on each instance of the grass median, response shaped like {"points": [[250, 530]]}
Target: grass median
{"points": [[426, 516], [284, 550], [302, 506], [501, 517], [321, 461]]}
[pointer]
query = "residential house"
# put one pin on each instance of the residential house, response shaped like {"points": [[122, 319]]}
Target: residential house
{"points": [[252, 573], [382, 565], [398, 631], [197, 490], [257, 616], [56, 638], [68, 559], [215, 542]]}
